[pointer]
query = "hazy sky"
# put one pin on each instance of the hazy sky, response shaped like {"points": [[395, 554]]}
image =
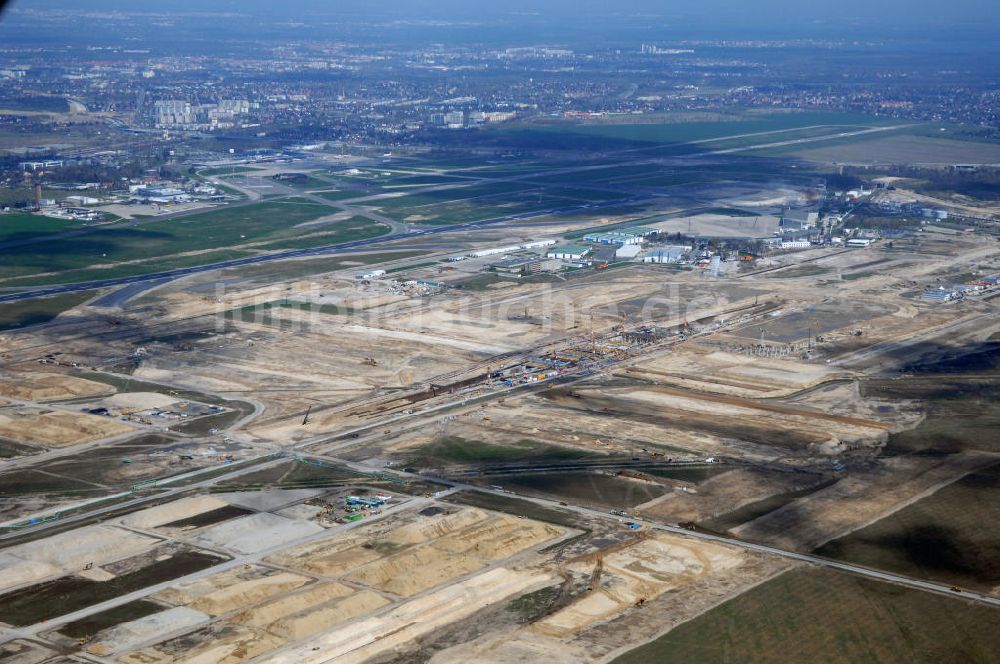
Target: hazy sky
{"points": [[965, 24], [885, 12]]}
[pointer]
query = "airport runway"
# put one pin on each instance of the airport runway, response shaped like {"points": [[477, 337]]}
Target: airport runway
{"points": [[334, 249], [327, 250]]}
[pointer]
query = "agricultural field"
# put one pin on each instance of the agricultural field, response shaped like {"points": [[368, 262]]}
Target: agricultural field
{"points": [[956, 393], [812, 614], [950, 536]]}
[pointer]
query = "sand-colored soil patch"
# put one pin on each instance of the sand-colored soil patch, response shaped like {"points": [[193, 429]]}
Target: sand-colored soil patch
{"points": [[232, 590], [68, 552], [233, 645], [256, 532], [49, 387], [635, 574], [59, 428], [25, 652], [328, 558], [173, 511], [303, 614], [463, 550], [141, 400], [364, 639], [130, 634], [421, 553], [729, 373]]}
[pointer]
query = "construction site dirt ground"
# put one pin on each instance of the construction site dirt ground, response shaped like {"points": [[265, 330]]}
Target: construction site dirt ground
{"points": [[410, 340], [290, 591], [73, 477], [57, 428], [354, 389], [397, 566], [42, 386]]}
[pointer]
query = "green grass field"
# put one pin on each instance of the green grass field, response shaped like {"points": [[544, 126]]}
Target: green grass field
{"points": [[131, 269], [962, 413], [158, 245], [817, 615], [21, 226], [14, 315], [580, 487], [341, 194], [422, 180], [487, 190], [483, 201], [897, 148], [309, 183], [346, 230], [676, 133], [280, 270], [228, 170]]}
